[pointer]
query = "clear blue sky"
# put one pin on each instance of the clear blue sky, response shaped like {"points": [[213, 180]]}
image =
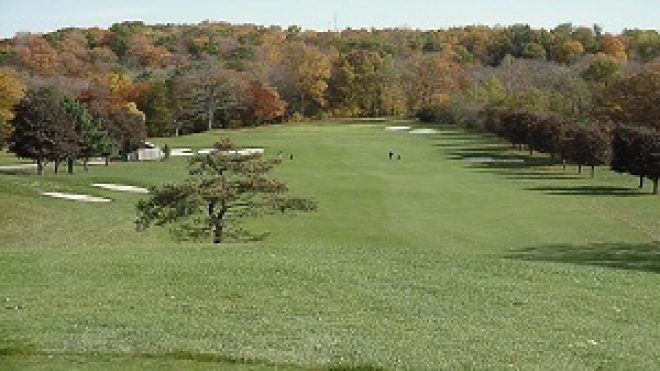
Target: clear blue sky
{"points": [[50, 15]]}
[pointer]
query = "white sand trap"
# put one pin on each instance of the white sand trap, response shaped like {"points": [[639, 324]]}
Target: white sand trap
{"points": [[121, 187], [76, 197], [96, 161], [252, 151], [181, 152], [245, 152], [424, 131], [398, 128], [491, 160], [18, 167], [206, 151]]}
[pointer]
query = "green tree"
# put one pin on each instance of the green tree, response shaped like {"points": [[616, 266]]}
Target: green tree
{"points": [[601, 70], [156, 107], [124, 125], [42, 129], [636, 151], [221, 191], [589, 146], [533, 50], [93, 139]]}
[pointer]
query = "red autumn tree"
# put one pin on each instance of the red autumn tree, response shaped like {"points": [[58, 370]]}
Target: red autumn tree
{"points": [[263, 104]]}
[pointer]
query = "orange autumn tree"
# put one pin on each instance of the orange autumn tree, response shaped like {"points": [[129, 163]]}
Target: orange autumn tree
{"points": [[263, 104]]}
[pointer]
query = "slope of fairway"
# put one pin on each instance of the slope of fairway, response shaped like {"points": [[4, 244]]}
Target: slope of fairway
{"points": [[430, 262]]}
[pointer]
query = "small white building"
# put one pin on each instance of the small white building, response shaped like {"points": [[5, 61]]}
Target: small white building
{"points": [[147, 152]]}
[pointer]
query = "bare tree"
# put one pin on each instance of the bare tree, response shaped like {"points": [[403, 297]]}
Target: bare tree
{"points": [[208, 89]]}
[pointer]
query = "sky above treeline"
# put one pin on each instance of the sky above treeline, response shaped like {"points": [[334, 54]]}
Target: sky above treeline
{"points": [[39, 16]]}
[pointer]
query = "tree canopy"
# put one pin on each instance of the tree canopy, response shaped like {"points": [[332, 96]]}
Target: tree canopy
{"points": [[43, 129], [221, 191]]}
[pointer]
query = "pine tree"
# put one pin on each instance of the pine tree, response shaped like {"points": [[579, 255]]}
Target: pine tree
{"points": [[221, 191]]}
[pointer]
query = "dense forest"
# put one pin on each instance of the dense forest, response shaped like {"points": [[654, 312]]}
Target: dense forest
{"points": [[577, 92]]}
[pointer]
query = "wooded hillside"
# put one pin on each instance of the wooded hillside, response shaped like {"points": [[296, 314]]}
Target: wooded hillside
{"points": [[162, 80]]}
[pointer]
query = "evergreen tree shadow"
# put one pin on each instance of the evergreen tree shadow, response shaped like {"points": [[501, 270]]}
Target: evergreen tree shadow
{"points": [[640, 257], [588, 191]]}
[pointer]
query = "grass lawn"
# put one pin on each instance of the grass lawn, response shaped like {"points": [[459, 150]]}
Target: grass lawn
{"points": [[431, 262]]}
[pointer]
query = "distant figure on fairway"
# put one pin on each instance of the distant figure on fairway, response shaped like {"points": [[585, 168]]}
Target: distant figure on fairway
{"points": [[398, 157], [290, 157], [391, 154]]}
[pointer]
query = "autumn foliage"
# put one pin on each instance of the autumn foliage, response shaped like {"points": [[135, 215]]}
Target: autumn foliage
{"points": [[561, 91]]}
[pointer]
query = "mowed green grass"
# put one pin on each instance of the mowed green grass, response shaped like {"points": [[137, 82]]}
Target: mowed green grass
{"points": [[426, 263]]}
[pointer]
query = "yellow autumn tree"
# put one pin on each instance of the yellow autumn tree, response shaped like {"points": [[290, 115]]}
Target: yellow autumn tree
{"points": [[12, 91], [303, 77]]}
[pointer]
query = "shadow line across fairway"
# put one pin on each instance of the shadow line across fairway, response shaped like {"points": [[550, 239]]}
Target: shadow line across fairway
{"points": [[589, 191], [643, 257], [217, 361]]}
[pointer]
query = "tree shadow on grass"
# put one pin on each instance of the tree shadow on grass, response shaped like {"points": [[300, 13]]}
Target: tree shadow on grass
{"points": [[25, 171], [534, 175], [498, 156], [639, 257], [214, 360], [589, 191], [461, 135]]}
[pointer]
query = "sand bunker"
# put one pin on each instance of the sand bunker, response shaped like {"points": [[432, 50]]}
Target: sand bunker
{"points": [[484, 160], [251, 151], [18, 167], [424, 131], [207, 151], [121, 187], [76, 197], [398, 128], [246, 151], [181, 152]]}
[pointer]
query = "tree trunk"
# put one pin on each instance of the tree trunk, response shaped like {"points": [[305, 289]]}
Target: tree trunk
{"points": [[107, 160], [641, 181], [579, 168], [210, 117], [218, 226], [40, 166], [69, 165], [563, 163], [655, 186], [218, 221], [57, 166], [86, 164], [593, 171]]}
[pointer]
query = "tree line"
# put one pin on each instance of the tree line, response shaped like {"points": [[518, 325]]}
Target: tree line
{"points": [[622, 130], [576, 92]]}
